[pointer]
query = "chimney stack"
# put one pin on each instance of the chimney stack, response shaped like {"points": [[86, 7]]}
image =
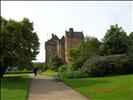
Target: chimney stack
{"points": [[52, 35], [71, 30]]}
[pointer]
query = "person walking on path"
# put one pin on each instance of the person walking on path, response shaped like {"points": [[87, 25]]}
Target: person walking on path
{"points": [[35, 71]]}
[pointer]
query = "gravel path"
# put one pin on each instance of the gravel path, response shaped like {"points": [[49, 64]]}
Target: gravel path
{"points": [[44, 88]]}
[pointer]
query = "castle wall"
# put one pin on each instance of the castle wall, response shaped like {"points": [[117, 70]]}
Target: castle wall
{"points": [[71, 42], [59, 47], [51, 50], [62, 50]]}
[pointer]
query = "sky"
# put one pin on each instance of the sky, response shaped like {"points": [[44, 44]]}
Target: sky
{"points": [[92, 17]]}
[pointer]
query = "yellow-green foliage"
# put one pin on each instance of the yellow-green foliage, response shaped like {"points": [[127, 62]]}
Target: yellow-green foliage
{"points": [[49, 73]]}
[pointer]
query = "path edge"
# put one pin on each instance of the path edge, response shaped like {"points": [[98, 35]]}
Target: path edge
{"points": [[76, 90]]}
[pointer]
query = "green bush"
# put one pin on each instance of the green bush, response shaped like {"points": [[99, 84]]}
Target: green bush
{"points": [[80, 74], [68, 68], [67, 74], [55, 63], [108, 65], [76, 64], [74, 74], [79, 54], [62, 68]]}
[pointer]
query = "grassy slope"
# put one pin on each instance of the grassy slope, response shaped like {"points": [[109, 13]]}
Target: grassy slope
{"points": [[49, 73], [15, 87], [105, 88]]}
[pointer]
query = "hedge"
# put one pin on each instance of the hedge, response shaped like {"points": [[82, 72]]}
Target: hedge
{"points": [[108, 65]]}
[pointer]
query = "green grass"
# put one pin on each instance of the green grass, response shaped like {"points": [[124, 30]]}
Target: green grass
{"points": [[15, 87], [49, 73], [104, 88], [19, 72]]}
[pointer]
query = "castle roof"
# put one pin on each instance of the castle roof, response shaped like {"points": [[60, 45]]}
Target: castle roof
{"points": [[74, 34], [52, 41], [54, 37], [69, 33]]}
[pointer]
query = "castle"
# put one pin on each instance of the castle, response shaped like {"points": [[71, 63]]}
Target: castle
{"points": [[56, 46]]}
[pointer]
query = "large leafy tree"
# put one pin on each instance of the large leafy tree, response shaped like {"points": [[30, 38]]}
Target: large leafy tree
{"points": [[78, 55], [19, 44], [115, 41]]}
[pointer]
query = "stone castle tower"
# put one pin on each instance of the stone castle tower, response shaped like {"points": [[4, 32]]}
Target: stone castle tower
{"points": [[56, 46]]}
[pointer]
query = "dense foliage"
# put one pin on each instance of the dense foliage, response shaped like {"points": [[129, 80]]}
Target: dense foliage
{"points": [[54, 63], [116, 56], [115, 41], [74, 74], [19, 44], [108, 65], [39, 65], [130, 50], [63, 68], [78, 55]]}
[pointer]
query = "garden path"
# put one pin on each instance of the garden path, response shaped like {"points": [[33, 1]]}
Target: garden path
{"points": [[45, 88]]}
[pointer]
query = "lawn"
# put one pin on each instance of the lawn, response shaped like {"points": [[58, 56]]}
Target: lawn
{"points": [[19, 72], [15, 87], [49, 73], [104, 88]]}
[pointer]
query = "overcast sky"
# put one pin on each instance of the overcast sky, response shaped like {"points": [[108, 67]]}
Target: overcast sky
{"points": [[93, 18]]}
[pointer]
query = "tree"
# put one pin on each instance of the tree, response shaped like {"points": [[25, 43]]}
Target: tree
{"points": [[131, 35], [73, 54], [19, 44], [130, 49], [54, 63], [115, 41], [39, 65], [78, 55]]}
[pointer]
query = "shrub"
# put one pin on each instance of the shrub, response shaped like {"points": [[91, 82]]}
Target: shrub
{"points": [[74, 74], [67, 75], [55, 63], [80, 74], [130, 54], [62, 68], [79, 54], [70, 68], [108, 65], [76, 65]]}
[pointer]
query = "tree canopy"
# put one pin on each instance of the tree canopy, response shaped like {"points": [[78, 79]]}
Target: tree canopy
{"points": [[115, 41], [55, 62], [79, 54], [131, 35], [130, 49], [19, 44]]}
